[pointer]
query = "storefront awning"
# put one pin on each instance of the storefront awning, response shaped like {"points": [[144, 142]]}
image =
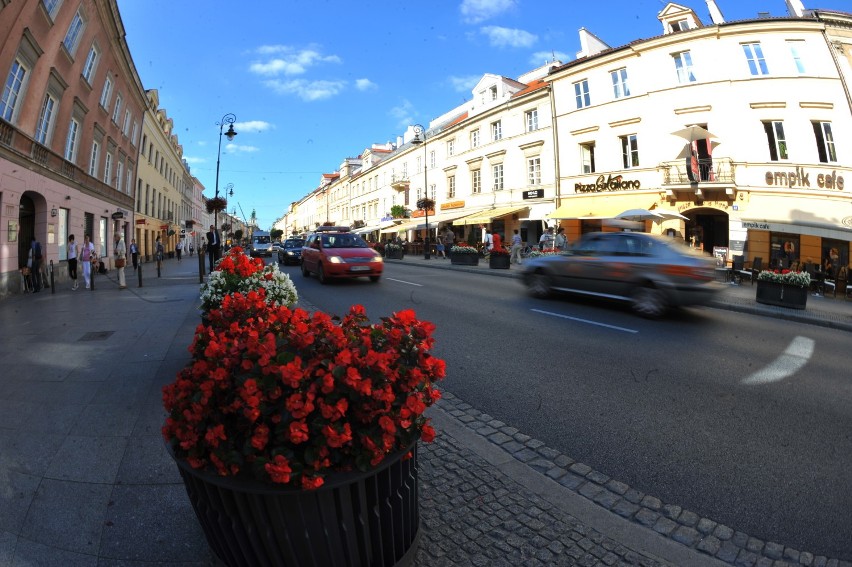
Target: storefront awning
{"points": [[488, 215], [366, 229], [539, 212], [815, 217], [402, 227], [435, 220], [601, 207]]}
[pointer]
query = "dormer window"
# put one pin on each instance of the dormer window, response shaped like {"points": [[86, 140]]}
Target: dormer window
{"points": [[493, 92], [679, 25]]}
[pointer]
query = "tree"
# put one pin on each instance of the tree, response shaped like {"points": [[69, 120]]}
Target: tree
{"points": [[398, 212], [276, 233], [238, 235]]}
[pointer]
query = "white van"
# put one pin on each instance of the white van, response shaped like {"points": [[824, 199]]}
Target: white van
{"points": [[261, 243]]}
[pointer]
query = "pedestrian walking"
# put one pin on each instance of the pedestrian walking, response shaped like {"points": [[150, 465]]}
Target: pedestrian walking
{"points": [[546, 240], [449, 238], [561, 242], [496, 241], [214, 245], [87, 257], [191, 249], [72, 253], [121, 261], [489, 240], [179, 250], [134, 253], [515, 257], [34, 263]]}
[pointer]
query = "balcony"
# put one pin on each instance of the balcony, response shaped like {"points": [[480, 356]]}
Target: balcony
{"points": [[399, 182], [719, 172]]}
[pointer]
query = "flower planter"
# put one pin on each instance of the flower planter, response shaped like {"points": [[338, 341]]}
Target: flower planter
{"points": [[394, 254], [498, 262], [354, 519], [464, 259], [782, 295]]}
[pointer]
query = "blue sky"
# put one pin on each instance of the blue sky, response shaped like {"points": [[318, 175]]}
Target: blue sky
{"points": [[312, 82]]}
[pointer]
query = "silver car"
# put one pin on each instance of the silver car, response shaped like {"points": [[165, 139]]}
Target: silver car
{"points": [[652, 273]]}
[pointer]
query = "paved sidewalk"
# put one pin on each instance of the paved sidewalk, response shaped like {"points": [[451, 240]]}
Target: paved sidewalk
{"points": [[85, 479]]}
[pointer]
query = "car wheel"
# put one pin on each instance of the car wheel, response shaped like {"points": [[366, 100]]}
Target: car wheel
{"points": [[539, 285], [305, 272], [374, 278], [649, 302], [321, 275]]}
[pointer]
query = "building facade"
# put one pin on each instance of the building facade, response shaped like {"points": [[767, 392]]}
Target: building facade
{"points": [[70, 119]]}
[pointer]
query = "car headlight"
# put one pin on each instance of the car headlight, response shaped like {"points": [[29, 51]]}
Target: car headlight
{"points": [[335, 260], [378, 259]]}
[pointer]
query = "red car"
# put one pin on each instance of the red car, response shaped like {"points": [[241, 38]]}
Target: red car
{"points": [[335, 252]]}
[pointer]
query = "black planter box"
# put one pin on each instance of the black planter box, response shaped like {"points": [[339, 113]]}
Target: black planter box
{"points": [[394, 254], [500, 262], [464, 259], [782, 295]]}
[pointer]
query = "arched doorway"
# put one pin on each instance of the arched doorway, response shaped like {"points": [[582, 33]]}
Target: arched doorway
{"points": [[26, 228], [706, 228]]}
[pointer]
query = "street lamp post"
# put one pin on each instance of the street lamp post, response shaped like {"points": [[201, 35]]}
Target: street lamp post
{"points": [[418, 130], [228, 119]]}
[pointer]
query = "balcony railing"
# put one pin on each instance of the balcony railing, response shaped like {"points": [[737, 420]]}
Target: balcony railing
{"points": [[703, 171], [399, 182], [25, 148]]}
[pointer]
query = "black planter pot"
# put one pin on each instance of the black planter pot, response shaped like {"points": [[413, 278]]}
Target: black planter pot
{"points": [[369, 519], [500, 262], [394, 254], [774, 293], [464, 259]]}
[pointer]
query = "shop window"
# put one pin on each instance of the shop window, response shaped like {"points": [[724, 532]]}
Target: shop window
{"points": [[783, 250], [835, 254]]}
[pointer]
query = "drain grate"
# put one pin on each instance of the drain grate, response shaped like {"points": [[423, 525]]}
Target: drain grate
{"points": [[97, 336]]}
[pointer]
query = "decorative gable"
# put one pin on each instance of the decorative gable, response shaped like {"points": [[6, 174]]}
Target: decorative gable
{"points": [[491, 90], [675, 18]]}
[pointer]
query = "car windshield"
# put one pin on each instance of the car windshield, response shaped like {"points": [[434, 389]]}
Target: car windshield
{"points": [[261, 240], [342, 241], [294, 244]]}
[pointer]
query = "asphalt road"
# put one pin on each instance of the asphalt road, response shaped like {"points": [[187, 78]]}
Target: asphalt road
{"points": [[703, 409]]}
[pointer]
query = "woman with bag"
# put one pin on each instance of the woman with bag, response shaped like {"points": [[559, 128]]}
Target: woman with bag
{"points": [[121, 261], [87, 257], [72, 260]]}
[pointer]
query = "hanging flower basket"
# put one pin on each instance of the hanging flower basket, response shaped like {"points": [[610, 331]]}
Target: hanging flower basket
{"points": [[216, 205]]}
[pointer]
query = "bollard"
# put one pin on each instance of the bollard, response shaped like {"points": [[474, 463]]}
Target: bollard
{"points": [[52, 281], [201, 268], [139, 272]]}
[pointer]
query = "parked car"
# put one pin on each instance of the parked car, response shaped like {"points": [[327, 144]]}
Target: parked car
{"points": [[651, 273], [290, 251], [335, 252]]}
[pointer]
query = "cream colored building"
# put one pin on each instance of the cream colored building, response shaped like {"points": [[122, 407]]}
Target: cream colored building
{"points": [[743, 128]]}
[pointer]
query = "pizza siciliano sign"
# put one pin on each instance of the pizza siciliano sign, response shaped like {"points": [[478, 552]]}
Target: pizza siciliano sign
{"points": [[607, 183]]}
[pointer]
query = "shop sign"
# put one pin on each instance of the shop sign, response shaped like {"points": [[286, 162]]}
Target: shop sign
{"points": [[452, 205], [117, 215], [533, 194], [756, 225], [687, 205], [799, 178], [607, 183], [140, 221]]}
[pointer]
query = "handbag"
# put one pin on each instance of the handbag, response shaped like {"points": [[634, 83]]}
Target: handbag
{"points": [[119, 262]]}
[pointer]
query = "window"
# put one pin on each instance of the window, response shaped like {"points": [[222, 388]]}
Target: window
{"points": [[106, 94], [629, 151], [119, 175], [474, 139], [581, 91], [93, 162], [116, 112], [496, 130], [431, 160], [135, 131], [493, 91], [619, 83], [531, 117], [91, 64], [497, 172], [797, 49], [680, 25], [683, 64], [75, 30], [476, 181], [419, 164], [125, 129], [451, 146], [45, 120], [754, 56], [72, 141], [777, 141], [12, 90], [534, 171], [108, 169], [587, 157], [451, 186], [825, 142], [52, 6]]}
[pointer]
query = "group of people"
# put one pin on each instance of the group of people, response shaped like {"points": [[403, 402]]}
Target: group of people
{"points": [[84, 255]]}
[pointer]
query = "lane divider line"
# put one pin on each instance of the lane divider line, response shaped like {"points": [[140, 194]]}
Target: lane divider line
{"points": [[793, 359], [404, 282], [561, 316]]}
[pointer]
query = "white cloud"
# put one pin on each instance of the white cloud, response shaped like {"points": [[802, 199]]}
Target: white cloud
{"points": [[194, 160], [240, 149], [541, 58], [289, 61], [307, 90], [403, 113], [508, 37], [253, 126], [365, 85], [475, 11], [464, 84]]}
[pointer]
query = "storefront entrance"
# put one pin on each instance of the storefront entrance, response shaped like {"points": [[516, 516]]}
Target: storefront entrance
{"points": [[706, 228]]}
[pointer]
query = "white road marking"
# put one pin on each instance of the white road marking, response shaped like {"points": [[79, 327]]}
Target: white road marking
{"points": [[405, 282], [791, 361], [624, 329]]}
